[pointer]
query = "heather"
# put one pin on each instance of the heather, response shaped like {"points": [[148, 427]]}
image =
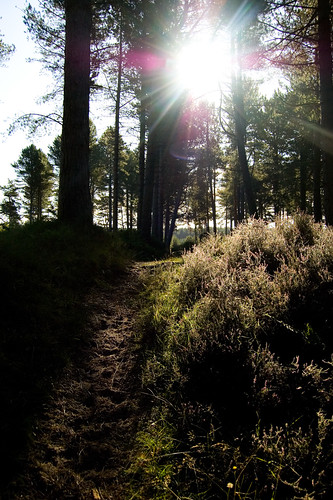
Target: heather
{"points": [[238, 366]]}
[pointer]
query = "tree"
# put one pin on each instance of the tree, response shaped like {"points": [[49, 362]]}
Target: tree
{"points": [[151, 29], [302, 38], [241, 16], [75, 205], [203, 166], [102, 171], [96, 167], [117, 130], [326, 100], [240, 131], [10, 204], [106, 143], [5, 50], [130, 186], [34, 179]]}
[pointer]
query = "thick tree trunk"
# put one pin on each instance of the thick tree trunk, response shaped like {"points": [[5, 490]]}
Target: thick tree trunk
{"points": [[326, 102], [75, 205]]}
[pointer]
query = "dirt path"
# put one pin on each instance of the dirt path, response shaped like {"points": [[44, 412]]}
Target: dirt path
{"points": [[83, 443]]}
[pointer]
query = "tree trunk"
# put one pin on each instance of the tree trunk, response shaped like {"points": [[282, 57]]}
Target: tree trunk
{"points": [[173, 218], [157, 224], [39, 203], [211, 180], [127, 208], [326, 102], [31, 207], [142, 151], [110, 198], [149, 186], [75, 205], [131, 211], [303, 172], [240, 131], [167, 221], [317, 210], [116, 135]]}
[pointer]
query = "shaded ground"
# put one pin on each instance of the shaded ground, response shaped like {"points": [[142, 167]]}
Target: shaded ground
{"points": [[83, 442]]}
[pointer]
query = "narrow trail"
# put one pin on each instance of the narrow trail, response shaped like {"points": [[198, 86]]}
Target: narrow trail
{"points": [[83, 442]]}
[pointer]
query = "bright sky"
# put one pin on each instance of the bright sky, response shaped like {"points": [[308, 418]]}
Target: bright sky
{"points": [[21, 84]]}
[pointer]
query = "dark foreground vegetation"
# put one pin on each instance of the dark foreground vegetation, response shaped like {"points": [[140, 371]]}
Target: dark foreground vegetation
{"points": [[239, 367], [47, 271], [235, 346]]}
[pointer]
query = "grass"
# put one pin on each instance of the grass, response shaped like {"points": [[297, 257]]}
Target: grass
{"points": [[47, 271], [238, 344]]}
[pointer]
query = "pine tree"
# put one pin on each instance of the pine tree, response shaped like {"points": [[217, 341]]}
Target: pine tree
{"points": [[10, 204], [75, 205], [34, 179]]}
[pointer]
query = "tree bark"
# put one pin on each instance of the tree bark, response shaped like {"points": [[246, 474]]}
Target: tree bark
{"points": [[75, 205], [326, 102]]}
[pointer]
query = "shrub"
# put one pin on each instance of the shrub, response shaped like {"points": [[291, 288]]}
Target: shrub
{"points": [[241, 345]]}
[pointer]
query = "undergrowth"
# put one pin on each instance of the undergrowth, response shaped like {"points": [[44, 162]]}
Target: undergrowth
{"points": [[238, 344], [46, 273]]}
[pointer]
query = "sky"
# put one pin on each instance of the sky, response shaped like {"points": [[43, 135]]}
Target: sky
{"points": [[22, 83]]}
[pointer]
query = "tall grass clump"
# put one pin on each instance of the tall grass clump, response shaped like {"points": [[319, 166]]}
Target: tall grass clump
{"points": [[238, 362], [47, 271]]}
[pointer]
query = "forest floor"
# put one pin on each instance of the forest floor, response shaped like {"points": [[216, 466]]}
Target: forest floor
{"points": [[84, 439]]}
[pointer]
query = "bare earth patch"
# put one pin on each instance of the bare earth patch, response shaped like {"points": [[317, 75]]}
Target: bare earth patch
{"points": [[83, 442]]}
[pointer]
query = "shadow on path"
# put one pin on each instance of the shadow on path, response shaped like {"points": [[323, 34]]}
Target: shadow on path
{"points": [[83, 442]]}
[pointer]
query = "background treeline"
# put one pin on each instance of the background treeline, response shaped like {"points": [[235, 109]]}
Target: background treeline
{"points": [[195, 162], [33, 195]]}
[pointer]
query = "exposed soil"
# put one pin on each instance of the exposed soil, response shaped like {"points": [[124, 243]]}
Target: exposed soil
{"points": [[83, 442]]}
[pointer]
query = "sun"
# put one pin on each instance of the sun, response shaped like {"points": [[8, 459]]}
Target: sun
{"points": [[202, 66]]}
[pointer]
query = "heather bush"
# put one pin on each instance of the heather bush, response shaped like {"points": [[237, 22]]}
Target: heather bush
{"points": [[240, 341]]}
